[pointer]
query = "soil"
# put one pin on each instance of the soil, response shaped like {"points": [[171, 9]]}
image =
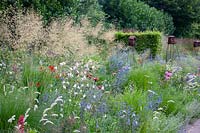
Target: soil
{"points": [[194, 127]]}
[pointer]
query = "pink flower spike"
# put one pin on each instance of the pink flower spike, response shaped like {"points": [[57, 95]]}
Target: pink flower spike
{"points": [[21, 124]]}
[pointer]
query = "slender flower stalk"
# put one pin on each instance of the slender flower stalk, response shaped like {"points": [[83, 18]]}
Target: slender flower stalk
{"points": [[20, 124]]}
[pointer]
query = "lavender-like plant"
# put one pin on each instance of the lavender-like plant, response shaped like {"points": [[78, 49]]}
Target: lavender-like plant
{"points": [[154, 100], [94, 105], [128, 120], [121, 78], [120, 59]]}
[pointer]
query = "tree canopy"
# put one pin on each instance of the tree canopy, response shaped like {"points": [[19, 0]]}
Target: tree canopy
{"points": [[137, 15], [184, 12], [57, 8], [163, 15]]}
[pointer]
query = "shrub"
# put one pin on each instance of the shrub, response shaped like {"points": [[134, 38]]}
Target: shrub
{"points": [[145, 40], [194, 31], [180, 11], [137, 15], [59, 8]]}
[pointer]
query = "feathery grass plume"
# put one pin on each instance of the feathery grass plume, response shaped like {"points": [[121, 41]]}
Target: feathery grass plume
{"points": [[59, 38]]}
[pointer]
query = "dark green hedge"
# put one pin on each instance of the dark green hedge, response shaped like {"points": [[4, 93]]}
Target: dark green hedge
{"points": [[145, 40]]}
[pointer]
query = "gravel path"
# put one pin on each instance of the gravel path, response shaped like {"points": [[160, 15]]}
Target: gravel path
{"points": [[194, 127]]}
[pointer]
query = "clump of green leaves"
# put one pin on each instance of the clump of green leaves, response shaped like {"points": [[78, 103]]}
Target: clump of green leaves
{"points": [[138, 15]]}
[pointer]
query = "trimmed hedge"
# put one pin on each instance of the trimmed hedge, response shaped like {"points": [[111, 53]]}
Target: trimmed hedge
{"points": [[144, 40]]}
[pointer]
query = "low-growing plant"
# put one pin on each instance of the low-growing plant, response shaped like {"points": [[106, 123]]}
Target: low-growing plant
{"points": [[147, 76], [159, 122], [38, 76], [14, 102]]}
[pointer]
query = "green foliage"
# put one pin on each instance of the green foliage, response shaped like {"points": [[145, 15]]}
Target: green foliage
{"points": [[94, 12], [137, 15], [51, 9], [146, 77], [174, 104], [184, 12], [35, 76], [136, 99], [144, 40], [194, 31], [14, 101], [159, 122], [149, 101], [9, 66]]}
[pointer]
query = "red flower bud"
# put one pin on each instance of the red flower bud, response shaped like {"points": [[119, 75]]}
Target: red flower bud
{"points": [[52, 68]]}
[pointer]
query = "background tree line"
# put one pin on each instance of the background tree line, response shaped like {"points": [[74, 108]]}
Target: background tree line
{"points": [[51, 9], [179, 17], [185, 13]]}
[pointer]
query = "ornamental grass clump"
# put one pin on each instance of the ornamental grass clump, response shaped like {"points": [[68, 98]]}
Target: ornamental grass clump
{"points": [[13, 103], [49, 114]]}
